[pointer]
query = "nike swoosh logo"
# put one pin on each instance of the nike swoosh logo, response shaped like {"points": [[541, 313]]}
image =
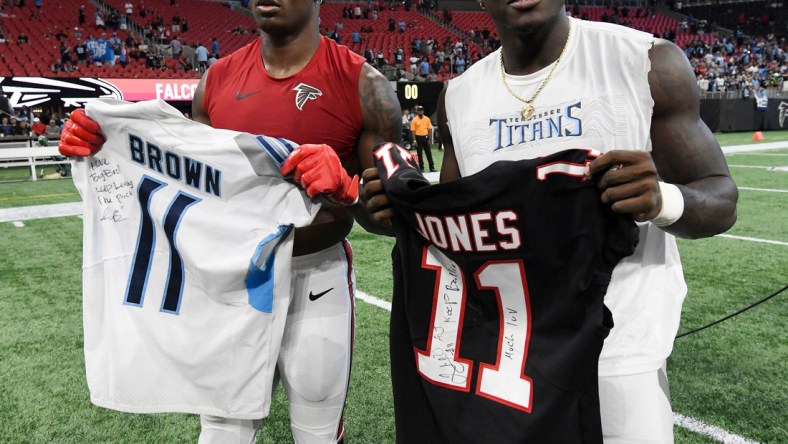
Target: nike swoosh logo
{"points": [[239, 96], [314, 297]]}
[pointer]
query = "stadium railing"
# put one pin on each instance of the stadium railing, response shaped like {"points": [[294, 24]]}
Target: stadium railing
{"points": [[22, 151]]}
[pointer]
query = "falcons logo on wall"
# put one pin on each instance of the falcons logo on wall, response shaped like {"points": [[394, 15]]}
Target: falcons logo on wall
{"points": [[72, 92], [304, 93]]}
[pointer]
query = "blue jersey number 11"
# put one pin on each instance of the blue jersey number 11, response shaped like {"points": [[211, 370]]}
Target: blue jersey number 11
{"points": [[146, 243]]}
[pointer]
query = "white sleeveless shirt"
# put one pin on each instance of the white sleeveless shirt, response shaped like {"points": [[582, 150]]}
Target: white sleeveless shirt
{"points": [[598, 98]]}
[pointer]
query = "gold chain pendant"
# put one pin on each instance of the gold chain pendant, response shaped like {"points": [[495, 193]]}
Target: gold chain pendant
{"points": [[527, 112]]}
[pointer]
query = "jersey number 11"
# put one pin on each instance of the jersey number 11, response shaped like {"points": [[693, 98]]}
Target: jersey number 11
{"points": [[146, 243]]}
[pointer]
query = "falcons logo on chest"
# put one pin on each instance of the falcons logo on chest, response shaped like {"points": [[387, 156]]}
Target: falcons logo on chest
{"points": [[305, 93]]}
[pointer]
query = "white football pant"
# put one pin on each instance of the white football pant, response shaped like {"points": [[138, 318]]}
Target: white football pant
{"points": [[314, 361]]}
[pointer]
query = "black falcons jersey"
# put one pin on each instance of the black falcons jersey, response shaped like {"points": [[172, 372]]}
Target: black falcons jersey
{"points": [[498, 316]]}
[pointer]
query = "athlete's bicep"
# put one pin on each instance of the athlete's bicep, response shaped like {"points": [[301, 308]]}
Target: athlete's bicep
{"points": [[449, 168], [684, 149], [198, 109], [381, 116]]}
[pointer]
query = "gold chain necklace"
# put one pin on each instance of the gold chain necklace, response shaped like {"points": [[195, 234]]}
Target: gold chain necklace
{"points": [[528, 109]]}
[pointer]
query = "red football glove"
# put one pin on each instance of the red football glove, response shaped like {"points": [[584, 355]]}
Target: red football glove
{"points": [[318, 170], [81, 136]]}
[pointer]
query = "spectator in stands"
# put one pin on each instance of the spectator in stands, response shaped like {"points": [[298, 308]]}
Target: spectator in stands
{"points": [[13, 122], [24, 115], [424, 67], [176, 47], [414, 64], [215, 47], [100, 21], [176, 23], [334, 35], [415, 46], [129, 9], [761, 105], [399, 58], [81, 15], [202, 57], [38, 128], [460, 63], [212, 59], [184, 25], [5, 127], [80, 49], [392, 24], [401, 27], [22, 38], [123, 56], [115, 42], [703, 83], [21, 128]]}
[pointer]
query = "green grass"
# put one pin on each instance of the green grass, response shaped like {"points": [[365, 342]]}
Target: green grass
{"points": [[732, 375], [42, 192]]}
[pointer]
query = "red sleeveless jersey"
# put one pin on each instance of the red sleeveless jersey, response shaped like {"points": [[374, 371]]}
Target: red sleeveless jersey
{"points": [[319, 104]]}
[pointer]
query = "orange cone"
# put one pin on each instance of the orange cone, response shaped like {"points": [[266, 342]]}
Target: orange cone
{"points": [[757, 136]]}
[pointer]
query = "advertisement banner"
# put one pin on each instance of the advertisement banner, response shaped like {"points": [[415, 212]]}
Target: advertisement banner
{"points": [[75, 92]]}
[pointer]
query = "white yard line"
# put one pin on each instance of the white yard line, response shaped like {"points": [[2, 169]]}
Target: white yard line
{"points": [[751, 166], [753, 239], [40, 212], [755, 153], [680, 420], [712, 432], [767, 190], [757, 146]]}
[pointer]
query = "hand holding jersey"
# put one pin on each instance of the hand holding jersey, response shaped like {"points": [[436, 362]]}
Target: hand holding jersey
{"points": [[374, 197], [318, 170], [81, 136], [630, 185], [316, 167]]}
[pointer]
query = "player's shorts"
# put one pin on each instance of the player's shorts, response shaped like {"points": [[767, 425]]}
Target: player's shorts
{"points": [[636, 408], [314, 361]]}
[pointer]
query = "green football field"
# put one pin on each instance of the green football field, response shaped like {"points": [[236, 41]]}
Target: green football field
{"points": [[728, 382]]}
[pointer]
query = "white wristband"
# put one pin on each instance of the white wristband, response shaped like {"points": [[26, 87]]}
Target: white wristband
{"points": [[672, 205]]}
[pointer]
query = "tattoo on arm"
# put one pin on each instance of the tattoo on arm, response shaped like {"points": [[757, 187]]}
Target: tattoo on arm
{"points": [[380, 114]]}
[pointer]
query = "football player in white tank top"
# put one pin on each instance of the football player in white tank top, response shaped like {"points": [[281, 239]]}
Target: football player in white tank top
{"points": [[681, 187]]}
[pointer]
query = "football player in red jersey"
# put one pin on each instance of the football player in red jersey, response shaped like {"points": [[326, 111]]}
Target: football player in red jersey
{"points": [[294, 83]]}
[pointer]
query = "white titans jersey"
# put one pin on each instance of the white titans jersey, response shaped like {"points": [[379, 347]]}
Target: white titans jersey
{"points": [[597, 98], [186, 262]]}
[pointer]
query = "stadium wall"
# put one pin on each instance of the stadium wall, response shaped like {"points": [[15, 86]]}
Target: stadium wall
{"points": [[728, 115]]}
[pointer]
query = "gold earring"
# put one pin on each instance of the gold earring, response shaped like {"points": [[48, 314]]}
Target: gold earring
{"points": [[481, 5]]}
